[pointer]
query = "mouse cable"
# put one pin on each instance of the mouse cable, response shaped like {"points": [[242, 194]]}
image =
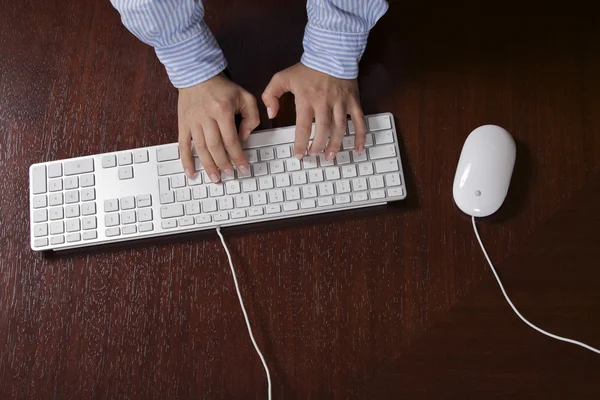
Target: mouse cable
{"points": [[237, 289], [564, 339]]}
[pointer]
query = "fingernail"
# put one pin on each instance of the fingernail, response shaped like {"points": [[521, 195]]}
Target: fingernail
{"points": [[244, 169], [299, 156], [330, 156], [270, 112], [214, 178], [228, 171], [314, 153]]}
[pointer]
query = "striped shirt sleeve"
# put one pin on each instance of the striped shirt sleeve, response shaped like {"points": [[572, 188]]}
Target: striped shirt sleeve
{"points": [[336, 35], [180, 37]]}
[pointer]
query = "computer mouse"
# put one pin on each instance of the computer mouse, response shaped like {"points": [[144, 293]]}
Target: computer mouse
{"points": [[484, 171]]}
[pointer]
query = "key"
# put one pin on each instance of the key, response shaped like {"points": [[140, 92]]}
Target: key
{"points": [[368, 140], [241, 174], [73, 237], [249, 185], [40, 216], [259, 198], [111, 205], [145, 214], [140, 156], [55, 170], [129, 230], [72, 196], [127, 203], [57, 228], [192, 208], [365, 169], [349, 171], [72, 211], [203, 219], [216, 189], [282, 180], [291, 206], [267, 153], [324, 162], [359, 184], [308, 203], [41, 242], [351, 127], [125, 173], [292, 193], [325, 189], [332, 173], [163, 185], [242, 200], [147, 227], [90, 235], [88, 194], [87, 180], [183, 194], [325, 201], [88, 209], [197, 165], [170, 168], [199, 192], [392, 179], [226, 176], [379, 122], [251, 155], [111, 219], [209, 205], [56, 213], [88, 223], [260, 169], [57, 240], [299, 178], [124, 158], [71, 182], [109, 161], [73, 225], [342, 199], [195, 180], [171, 210], [361, 196], [177, 181], [168, 224], [376, 182], [265, 182], [358, 157], [144, 200], [315, 175], [38, 179], [342, 186], [55, 185], [255, 211], [348, 142], [232, 187], [40, 230], [55, 199], [395, 192], [41, 201], [273, 209], [377, 194], [275, 196], [309, 162], [292, 164], [343, 157], [378, 152], [283, 151], [276, 167], [110, 232], [226, 203], [221, 216], [383, 137], [186, 221], [309, 191], [238, 214], [80, 166], [386, 166], [167, 153]]}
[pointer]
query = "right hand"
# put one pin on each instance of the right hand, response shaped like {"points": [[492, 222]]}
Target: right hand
{"points": [[206, 115]]}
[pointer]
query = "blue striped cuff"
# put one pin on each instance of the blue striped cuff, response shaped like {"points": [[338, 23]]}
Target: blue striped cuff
{"points": [[334, 53], [193, 61]]}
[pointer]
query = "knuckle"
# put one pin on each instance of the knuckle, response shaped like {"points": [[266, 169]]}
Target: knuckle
{"points": [[229, 141], [222, 106]]}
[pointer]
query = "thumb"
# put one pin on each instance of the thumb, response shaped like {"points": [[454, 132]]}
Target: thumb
{"points": [[274, 90]]}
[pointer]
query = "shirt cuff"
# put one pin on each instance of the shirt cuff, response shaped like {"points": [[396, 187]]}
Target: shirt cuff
{"points": [[194, 60], [334, 53]]}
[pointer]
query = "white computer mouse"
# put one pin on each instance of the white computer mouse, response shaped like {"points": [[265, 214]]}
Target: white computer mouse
{"points": [[484, 170]]}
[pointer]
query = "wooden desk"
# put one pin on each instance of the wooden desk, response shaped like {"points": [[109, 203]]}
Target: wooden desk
{"points": [[398, 304]]}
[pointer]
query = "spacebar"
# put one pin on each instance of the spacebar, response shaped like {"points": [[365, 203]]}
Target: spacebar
{"points": [[272, 138]]}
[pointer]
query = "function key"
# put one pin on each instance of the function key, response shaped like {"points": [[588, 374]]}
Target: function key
{"points": [[80, 166], [167, 153], [141, 156], [109, 161], [125, 158], [54, 170]]}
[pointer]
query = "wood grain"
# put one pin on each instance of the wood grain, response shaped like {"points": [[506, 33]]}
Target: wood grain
{"points": [[334, 303]]}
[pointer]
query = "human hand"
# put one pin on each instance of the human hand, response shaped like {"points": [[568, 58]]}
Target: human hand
{"points": [[324, 97], [206, 114]]}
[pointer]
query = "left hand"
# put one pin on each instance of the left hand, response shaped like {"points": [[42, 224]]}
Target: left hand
{"points": [[324, 97]]}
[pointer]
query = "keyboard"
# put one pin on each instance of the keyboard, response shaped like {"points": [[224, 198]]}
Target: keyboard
{"points": [[141, 193]]}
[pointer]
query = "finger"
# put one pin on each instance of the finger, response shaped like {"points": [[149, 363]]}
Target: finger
{"points": [[322, 128], [339, 129], [274, 90], [304, 116], [249, 111], [185, 150], [212, 135], [360, 130], [232, 144], [204, 155]]}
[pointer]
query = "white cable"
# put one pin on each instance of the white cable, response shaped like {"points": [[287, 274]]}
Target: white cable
{"points": [[237, 288], [564, 339]]}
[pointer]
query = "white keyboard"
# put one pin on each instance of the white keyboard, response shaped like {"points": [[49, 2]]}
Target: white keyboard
{"points": [[142, 193]]}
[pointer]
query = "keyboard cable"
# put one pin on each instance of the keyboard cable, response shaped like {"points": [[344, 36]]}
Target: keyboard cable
{"points": [[237, 289], [564, 339]]}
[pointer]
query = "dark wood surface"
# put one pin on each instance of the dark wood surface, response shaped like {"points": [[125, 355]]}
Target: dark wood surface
{"points": [[397, 304]]}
